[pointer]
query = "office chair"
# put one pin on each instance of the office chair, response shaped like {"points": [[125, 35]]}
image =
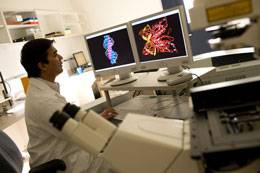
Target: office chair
{"points": [[11, 160]]}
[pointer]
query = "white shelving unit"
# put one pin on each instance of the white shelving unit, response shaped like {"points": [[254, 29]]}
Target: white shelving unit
{"points": [[61, 23], [4, 35], [71, 23], [39, 24], [20, 25], [83, 22]]}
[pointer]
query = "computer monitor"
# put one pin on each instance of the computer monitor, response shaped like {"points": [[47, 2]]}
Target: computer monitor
{"points": [[162, 40], [80, 59], [111, 53]]}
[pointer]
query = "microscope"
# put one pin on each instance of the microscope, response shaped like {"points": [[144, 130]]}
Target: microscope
{"points": [[233, 27], [226, 126], [139, 144], [232, 23]]}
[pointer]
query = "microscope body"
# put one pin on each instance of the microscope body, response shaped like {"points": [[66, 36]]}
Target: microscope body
{"points": [[139, 144]]}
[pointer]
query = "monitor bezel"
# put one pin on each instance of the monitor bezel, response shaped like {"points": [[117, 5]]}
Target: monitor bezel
{"points": [[122, 69], [169, 62]]}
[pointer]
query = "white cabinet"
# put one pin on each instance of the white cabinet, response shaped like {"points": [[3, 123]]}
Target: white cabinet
{"points": [[71, 23], [54, 23], [51, 24], [20, 25]]}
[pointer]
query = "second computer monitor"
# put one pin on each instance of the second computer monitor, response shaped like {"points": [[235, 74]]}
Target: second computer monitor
{"points": [[80, 59], [162, 40], [111, 53]]}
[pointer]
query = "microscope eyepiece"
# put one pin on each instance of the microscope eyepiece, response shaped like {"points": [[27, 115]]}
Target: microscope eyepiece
{"points": [[58, 119], [71, 109]]}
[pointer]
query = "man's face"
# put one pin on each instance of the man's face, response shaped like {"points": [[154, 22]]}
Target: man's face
{"points": [[54, 65]]}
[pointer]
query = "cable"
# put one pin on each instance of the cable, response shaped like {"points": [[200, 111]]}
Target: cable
{"points": [[182, 92], [201, 82], [188, 67], [172, 103], [185, 67], [134, 94], [137, 91]]}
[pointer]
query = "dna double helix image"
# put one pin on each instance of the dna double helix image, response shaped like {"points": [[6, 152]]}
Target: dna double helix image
{"points": [[110, 53]]}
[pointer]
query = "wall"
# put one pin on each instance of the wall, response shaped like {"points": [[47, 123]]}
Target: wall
{"points": [[36, 4], [10, 60], [10, 54], [100, 14]]}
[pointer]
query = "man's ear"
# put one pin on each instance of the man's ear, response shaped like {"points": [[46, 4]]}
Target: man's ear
{"points": [[42, 66]]}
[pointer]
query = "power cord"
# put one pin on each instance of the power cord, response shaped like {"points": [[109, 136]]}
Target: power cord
{"points": [[185, 67], [188, 68], [201, 82], [138, 93]]}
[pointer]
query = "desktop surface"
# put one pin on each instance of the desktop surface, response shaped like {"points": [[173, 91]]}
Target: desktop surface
{"points": [[148, 81], [165, 106]]}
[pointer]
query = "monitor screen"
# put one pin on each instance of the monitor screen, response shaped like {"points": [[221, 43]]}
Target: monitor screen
{"points": [[162, 39], [110, 51], [80, 59], [159, 37]]}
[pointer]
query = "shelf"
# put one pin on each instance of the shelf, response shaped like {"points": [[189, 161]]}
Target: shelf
{"points": [[13, 29], [21, 26], [4, 100], [65, 36]]}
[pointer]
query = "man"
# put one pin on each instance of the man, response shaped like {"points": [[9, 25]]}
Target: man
{"points": [[42, 64]]}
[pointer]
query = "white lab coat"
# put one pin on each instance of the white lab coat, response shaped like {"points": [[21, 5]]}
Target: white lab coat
{"points": [[45, 142]]}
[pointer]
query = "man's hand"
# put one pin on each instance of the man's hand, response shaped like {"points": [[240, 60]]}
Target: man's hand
{"points": [[109, 113]]}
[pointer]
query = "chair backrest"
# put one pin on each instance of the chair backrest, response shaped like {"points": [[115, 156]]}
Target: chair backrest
{"points": [[10, 157], [25, 83]]}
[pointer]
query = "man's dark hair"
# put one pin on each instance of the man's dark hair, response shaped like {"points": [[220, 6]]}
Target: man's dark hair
{"points": [[32, 53]]}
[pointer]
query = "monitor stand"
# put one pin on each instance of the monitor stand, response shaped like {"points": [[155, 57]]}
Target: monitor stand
{"points": [[175, 75], [123, 79]]}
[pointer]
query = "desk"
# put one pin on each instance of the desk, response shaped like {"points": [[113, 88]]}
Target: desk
{"points": [[165, 106], [148, 81]]}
